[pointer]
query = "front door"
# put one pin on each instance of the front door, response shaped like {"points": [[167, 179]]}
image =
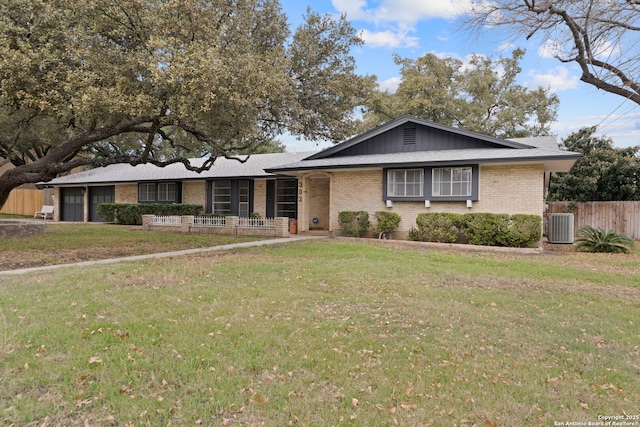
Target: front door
{"points": [[72, 208], [98, 195]]}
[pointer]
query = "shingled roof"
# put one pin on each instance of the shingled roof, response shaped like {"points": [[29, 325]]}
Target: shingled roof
{"points": [[489, 150], [478, 149], [254, 167]]}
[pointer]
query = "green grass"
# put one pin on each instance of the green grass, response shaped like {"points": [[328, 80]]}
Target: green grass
{"points": [[319, 333]]}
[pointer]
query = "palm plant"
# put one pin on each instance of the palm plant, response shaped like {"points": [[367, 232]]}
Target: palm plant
{"points": [[597, 240]]}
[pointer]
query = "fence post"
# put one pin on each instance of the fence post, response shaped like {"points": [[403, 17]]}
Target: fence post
{"points": [[230, 225], [147, 220], [282, 227], [186, 221]]}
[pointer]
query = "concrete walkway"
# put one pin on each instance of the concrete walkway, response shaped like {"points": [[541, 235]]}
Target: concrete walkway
{"points": [[293, 238]]}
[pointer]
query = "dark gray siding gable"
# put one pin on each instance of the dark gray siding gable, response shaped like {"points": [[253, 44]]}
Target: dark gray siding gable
{"points": [[405, 139]]}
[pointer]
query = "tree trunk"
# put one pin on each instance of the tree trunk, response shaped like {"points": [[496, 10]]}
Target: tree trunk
{"points": [[8, 181]]}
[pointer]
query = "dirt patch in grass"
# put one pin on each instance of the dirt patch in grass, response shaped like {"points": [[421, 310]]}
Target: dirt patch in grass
{"points": [[13, 260]]}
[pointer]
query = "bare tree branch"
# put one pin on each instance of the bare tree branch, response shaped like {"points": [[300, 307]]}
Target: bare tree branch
{"points": [[600, 37]]}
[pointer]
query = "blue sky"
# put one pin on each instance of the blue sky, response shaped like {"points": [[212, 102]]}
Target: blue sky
{"points": [[412, 28]]}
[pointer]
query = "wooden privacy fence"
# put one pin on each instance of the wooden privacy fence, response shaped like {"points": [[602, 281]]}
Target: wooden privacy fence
{"points": [[23, 202], [621, 217]]}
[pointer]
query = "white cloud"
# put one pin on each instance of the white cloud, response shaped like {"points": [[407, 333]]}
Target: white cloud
{"points": [[388, 39], [401, 11], [355, 9], [556, 79], [390, 85], [606, 49], [395, 20], [553, 49], [623, 129], [550, 49], [503, 47]]}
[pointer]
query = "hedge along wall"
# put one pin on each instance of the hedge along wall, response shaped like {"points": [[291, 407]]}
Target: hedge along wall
{"points": [[484, 229], [131, 214]]}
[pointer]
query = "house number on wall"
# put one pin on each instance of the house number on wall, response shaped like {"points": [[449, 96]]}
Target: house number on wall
{"points": [[300, 191]]}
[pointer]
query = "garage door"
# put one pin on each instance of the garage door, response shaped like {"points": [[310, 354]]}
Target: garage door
{"points": [[72, 208], [98, 195]]}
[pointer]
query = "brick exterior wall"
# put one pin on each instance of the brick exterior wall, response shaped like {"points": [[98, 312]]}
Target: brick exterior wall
{"points": [[194, 193], [511, 189], [319, 190], [126, 193]]}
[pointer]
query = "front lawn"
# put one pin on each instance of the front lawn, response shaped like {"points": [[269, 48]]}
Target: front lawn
{"points": [[329, 332], [65, 243]]}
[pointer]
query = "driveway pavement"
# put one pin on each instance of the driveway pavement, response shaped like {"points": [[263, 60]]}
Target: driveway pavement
{"points": [[164, 254]]}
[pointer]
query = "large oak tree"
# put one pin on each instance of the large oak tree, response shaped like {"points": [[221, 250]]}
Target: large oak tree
{"points": [[482, 95], [96, 82]]}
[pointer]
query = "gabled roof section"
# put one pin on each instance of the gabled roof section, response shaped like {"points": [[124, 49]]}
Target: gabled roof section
{"points": [[397, 136]]}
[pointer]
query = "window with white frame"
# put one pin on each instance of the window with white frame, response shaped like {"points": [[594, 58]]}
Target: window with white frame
{"points": [[159, 192], [147, 192], [452, 182], [167, 192], [405, 183], [243, 198]]}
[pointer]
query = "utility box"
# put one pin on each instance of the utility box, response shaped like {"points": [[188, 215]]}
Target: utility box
{"points": [[560, 228]]}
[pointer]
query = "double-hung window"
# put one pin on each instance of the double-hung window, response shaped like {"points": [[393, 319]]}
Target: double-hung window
{"points": [[405, 183], [452, 182], [167, 192], [147, 192], [159, 192], [244, 198]]}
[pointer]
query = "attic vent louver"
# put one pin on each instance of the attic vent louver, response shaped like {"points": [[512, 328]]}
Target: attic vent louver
{"points": [[409, 136]]}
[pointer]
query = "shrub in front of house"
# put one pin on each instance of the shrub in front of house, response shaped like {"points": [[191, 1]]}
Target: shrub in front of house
{"points": [[354, 223], [489, 229], [131, 214], [387, 222], [416, 235], [439, 227], [522, 231], [484, 229]]}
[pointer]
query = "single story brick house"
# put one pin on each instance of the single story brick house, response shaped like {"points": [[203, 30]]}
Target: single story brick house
{"points": [[407, 165]]}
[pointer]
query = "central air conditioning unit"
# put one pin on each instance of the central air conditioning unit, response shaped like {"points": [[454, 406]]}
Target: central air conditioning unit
{"points": [[560, 228]]}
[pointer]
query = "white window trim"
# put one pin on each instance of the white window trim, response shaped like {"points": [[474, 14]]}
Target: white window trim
{"points": [[165, 194], [391, 183], [437, 186], [146, 192]]}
